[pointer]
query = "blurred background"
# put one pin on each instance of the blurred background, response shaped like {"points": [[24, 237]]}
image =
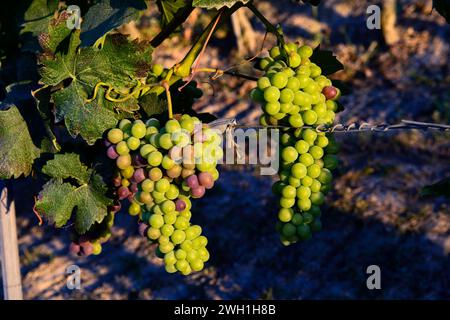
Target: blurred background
{"points": [[374, 214]]}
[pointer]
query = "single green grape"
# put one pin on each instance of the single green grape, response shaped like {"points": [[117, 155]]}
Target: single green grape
{"points": [[286, 95], [115, 135], [302, 146], [303, 192], [279, 80], [155, 158], [156, 221], [168, 206], [306, 159], [288, 230], [133, 143], [167, 230], [299, 170], [293, 84], [316, 152], [289, 154], [122, 148], [287, 202], [172, 126], [288, 192], [272, 108], [285, 214], [296, 120], [263, 82], [138, 130], [271, 94], [304, 204], [314, 171], [178, 236], [305, 52]]}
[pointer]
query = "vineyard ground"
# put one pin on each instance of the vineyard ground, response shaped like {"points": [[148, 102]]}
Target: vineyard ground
{"points": [[374, 214]]}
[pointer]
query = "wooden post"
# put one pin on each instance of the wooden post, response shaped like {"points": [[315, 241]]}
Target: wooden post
{"points": [[9, 250]]}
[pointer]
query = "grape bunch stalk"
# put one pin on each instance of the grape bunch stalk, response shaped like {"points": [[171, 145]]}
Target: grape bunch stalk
{"points": [[294, 93], [160, 168]]}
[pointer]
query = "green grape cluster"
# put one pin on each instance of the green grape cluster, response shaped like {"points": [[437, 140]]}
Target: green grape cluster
{"points": [[294, 94], [160, 167]]}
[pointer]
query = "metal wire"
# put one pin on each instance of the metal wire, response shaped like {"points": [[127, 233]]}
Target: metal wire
{"points": [[229, 124]]}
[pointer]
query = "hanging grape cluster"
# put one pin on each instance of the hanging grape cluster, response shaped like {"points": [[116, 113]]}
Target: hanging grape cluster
{"points": [[160, 168], [91, 242], [294, 93]]}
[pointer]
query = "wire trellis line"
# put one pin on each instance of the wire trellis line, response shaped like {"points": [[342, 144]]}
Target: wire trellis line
{"points": [[230, 124]]}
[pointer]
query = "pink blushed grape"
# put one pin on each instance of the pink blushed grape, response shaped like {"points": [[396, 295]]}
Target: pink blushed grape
{"points": [[192, 181], [206, 180], [112, 153], [180, 205], [198, 192]]}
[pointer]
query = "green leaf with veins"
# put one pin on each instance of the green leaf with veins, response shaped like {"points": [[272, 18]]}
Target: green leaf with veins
{"points": [[17, 151], [36, 21], [89, 120], [118, 63], [216, 4], [84, 195], [169, 8], [106, 16]]}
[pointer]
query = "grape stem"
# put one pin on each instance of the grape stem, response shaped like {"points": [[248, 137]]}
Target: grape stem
{"points": [[269, 26], [183, 68], [202, 51], [165, 84]]}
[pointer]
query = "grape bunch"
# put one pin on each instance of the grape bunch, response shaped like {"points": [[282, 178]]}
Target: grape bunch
{"points": [[91, 242], [160, 168], [294, 94]]}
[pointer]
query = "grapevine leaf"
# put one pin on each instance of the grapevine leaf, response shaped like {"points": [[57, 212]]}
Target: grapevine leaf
{"points": [[117, 64], [89, 120], [63, 66], [83, 194], [443, 7], [169, 8], [17, 151], [152, 105], [106, 16], [216, 4], [36, 21], [327, 61], [65, 166], [440, 188]]}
